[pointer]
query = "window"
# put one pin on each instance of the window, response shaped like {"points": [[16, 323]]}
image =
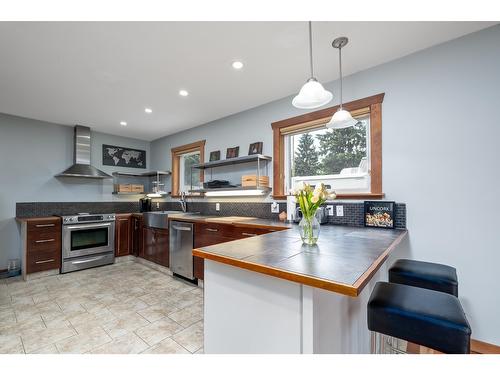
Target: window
{"points": [[183, 177], [348, 160], [338, 158]]}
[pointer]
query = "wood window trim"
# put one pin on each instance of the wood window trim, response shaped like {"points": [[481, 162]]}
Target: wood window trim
{"points": [[374, 103], [176, 153]]}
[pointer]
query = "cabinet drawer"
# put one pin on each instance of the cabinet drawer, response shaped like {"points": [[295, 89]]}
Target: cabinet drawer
{"points": [[43, 260], [214, 229], [44, 241], [44, 225], [245, 232]]}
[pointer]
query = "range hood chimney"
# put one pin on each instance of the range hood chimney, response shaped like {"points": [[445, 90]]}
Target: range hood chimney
{"points": [[81, 166]]}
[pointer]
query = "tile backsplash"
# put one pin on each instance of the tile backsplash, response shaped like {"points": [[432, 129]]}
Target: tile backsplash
{"points": [[353, 211]]}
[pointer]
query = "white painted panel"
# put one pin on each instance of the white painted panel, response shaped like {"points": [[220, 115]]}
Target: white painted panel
{"points": [[247, 312]]}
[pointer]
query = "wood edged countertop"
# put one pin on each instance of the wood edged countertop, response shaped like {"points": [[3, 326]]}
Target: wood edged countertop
{"points": [[344, 260]]}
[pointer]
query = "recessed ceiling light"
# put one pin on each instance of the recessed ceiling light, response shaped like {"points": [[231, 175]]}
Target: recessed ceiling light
{"points": [[123, 123], [148, 110], [183, 93], [237, 65]]}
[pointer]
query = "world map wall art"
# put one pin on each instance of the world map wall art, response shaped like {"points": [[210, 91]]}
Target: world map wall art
{"points": [[123, 157]]}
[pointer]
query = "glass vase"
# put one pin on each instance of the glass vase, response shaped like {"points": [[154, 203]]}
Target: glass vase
{"points": [[309, 230]]}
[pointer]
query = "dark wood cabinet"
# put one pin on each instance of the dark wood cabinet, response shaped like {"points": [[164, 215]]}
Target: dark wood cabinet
{"points": [[136, 229], [41, 244], [155, 246], [123, 235], [198, 267], [207, 234]]}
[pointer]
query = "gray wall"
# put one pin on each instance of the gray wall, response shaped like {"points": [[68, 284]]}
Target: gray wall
{"points": [[440, 155], [31, 153]]}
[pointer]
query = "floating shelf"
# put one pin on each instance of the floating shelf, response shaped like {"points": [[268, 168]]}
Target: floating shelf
{"points": [[127, 193], [232, 161], [232, 190], [144, 174]]}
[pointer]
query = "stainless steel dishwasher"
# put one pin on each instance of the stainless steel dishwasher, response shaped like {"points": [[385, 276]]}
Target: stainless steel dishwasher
{"points": [[181, 249]]}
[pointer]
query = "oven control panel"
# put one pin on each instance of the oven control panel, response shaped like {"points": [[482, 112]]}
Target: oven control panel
{"points": [[87, 218]]}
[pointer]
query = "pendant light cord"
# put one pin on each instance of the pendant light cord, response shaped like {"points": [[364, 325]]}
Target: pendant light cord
{"points": [[340, 68], [311, 49]]}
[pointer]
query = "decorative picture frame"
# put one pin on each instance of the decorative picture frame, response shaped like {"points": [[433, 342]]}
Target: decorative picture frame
{"points": [[255, 148], [379, 214], [118, 156], [232, 152], [215, 156]]}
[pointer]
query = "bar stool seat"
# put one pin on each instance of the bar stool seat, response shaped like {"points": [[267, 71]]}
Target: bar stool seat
{"points": [[426, 275], [433, 319]]}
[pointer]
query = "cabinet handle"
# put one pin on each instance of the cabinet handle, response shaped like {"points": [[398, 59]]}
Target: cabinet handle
{"points": [[44, 225], [212, 229], [42, 241], [45, 261], [122, 219], [248, 234]]}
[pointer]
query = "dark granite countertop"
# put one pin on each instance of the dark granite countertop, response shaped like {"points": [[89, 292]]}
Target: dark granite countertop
{"points": [[344, 259]]}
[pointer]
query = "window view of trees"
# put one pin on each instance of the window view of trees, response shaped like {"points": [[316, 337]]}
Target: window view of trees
{"points": [[328, 151], [189, 160]]}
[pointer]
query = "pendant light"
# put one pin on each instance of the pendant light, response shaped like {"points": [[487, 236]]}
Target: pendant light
{"points": [[312, 94], [342, 118]]}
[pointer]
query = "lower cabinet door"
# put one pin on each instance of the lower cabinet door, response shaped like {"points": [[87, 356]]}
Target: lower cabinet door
{"points": [[155, 246], [198, 267]]}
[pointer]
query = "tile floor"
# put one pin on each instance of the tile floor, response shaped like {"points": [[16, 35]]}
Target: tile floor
{"points": [[122, 308]]}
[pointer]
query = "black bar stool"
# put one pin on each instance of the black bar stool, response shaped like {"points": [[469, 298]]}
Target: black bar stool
{"points": [[426, 317], [426, 275]]}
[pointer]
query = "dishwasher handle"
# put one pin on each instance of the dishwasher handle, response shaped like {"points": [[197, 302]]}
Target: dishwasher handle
{"points": [[177, 227]]}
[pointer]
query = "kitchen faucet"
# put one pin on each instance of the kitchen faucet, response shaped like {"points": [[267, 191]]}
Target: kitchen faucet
{"points": [[183, 202]]}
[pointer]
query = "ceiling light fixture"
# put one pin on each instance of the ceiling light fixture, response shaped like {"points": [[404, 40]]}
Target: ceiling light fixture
{"points": [[342, 118], [148, 110], [312, 94], [123, 123], [237, 65], [183, 93]]}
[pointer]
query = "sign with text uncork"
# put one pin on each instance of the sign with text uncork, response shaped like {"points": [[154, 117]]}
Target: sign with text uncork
{"points": [[379, 214]]}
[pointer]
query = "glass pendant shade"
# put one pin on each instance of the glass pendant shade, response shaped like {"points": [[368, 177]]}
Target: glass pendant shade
{"points": [[312, 95], [341, 119]]}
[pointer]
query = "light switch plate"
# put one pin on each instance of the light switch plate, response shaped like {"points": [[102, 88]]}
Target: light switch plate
{"points": [[275, 208], [330, 210], [157, 205], [217, 207], [340, 210]]}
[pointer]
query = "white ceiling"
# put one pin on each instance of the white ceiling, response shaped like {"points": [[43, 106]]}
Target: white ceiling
{"points": [[99, 74]]}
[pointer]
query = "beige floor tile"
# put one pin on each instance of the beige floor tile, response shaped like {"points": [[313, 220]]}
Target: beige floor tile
{"points": [[36, 339], [49, 349], [157, 312], [167, 346], [83, 343], [191, 338], [124, 324], [11, 344], [129, 343], [188, 315], [159, 330]]}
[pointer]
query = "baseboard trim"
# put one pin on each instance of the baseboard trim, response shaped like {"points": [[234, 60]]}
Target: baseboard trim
{"points": [[481, 347]]}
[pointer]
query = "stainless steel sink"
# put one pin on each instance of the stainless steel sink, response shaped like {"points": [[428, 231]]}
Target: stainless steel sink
{"points": [[159, 219]]}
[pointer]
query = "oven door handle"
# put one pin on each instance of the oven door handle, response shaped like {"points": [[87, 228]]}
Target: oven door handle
{"points": [[87, 260], [87, 226]]}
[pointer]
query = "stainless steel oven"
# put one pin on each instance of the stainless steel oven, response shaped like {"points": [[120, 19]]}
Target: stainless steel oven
{"points": [[87, 241]]}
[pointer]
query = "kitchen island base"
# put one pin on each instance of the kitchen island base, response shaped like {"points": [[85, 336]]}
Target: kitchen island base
{"points": [[248, 312]]}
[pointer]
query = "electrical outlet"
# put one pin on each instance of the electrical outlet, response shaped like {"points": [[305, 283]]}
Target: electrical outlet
{"points": [[217, 207], [340, 210], [275, 208], [330, 210]]}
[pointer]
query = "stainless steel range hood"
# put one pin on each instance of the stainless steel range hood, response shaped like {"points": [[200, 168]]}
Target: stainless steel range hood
{"points": [[81, 166]]}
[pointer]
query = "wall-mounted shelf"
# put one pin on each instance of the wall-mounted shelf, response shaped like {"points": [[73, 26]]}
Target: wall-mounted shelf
{"points": [[232, 161], [238, 190], [232, 191], [152, 182]]}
